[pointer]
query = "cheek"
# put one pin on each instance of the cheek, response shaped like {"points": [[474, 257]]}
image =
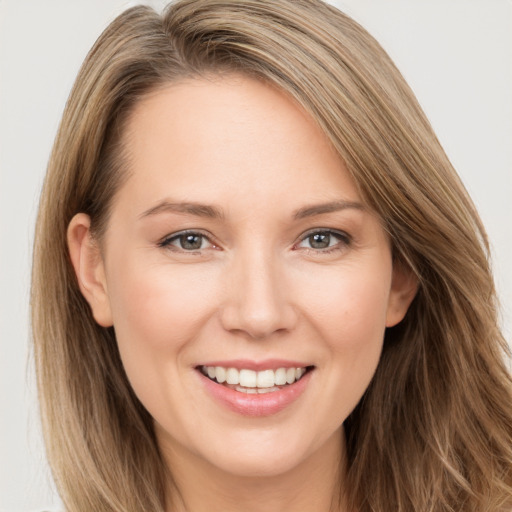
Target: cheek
{"points": [[158, 312], [159, 307], [349, 316], [349, 309]]}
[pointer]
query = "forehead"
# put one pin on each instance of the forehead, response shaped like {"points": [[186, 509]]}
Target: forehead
{"points": [[217, 138]]}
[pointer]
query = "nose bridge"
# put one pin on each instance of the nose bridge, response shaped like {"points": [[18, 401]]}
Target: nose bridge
{"points": [[258, 301]]}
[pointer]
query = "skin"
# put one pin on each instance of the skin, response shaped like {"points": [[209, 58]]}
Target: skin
{"points": [[257, 288]]}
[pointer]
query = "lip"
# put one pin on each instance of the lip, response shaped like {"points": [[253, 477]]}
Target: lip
{"points": [[255, 405], [267, 364]]}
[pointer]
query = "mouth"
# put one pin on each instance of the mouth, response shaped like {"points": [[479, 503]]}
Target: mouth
{"points": [[244, 380]]}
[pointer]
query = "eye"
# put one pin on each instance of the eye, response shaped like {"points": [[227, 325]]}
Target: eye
{"points": [[324, 240], [187, 241]]}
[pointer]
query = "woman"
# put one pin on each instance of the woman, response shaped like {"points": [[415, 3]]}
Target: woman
{"points": [[258, 281]]}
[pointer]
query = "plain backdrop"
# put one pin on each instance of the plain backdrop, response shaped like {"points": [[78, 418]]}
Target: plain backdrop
{"points": [[456, 55]]}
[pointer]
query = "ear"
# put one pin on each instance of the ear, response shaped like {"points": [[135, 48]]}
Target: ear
{"points": [[89, 268], [404, 286]]}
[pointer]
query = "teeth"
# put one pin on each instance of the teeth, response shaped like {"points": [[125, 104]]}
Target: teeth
{"points": [[250, 381], [249, 391], [259, 391], [232, 376], [220, 374], [280, 377], [247, 378], [262, 391], [266, 379]]}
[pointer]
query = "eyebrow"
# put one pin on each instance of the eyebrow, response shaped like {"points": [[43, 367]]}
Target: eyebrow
{"points": [[212, 212], [190, 208], [319, 209]]}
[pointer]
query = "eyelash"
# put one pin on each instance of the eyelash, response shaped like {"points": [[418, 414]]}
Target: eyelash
{"points": [[344, 240]]}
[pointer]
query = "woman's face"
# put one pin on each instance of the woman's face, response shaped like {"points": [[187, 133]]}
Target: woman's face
{"points": [[240, 248]]}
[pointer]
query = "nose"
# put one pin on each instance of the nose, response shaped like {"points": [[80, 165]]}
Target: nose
{"points": [[257, 301]]}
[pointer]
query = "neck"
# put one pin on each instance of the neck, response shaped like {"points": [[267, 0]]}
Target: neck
{"points": [[314, 485]]}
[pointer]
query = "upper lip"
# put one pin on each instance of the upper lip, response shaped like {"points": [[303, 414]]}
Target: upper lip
{"points": [[247, 364]]}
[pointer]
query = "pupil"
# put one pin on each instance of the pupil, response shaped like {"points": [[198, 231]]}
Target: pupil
{"points": [[320, 240], [191, 242]]}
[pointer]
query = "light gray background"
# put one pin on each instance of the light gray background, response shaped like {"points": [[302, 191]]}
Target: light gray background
{"points": [[456, 54]]}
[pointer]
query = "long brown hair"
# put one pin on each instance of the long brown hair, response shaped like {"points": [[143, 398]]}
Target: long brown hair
{"points": [[433, 431]]}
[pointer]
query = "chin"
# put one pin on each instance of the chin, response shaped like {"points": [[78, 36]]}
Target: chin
{"points": [[246, 464], [265, 454]]}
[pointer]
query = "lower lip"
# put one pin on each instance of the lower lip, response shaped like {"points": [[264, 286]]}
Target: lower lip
{"points": [[265, 404]]}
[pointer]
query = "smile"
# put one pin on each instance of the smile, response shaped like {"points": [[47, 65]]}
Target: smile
{"points": [[251, 381], [255, 389]]}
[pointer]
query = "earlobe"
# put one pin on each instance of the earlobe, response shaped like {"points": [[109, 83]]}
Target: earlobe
{"points": [[89, 268], [404, 286]]}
